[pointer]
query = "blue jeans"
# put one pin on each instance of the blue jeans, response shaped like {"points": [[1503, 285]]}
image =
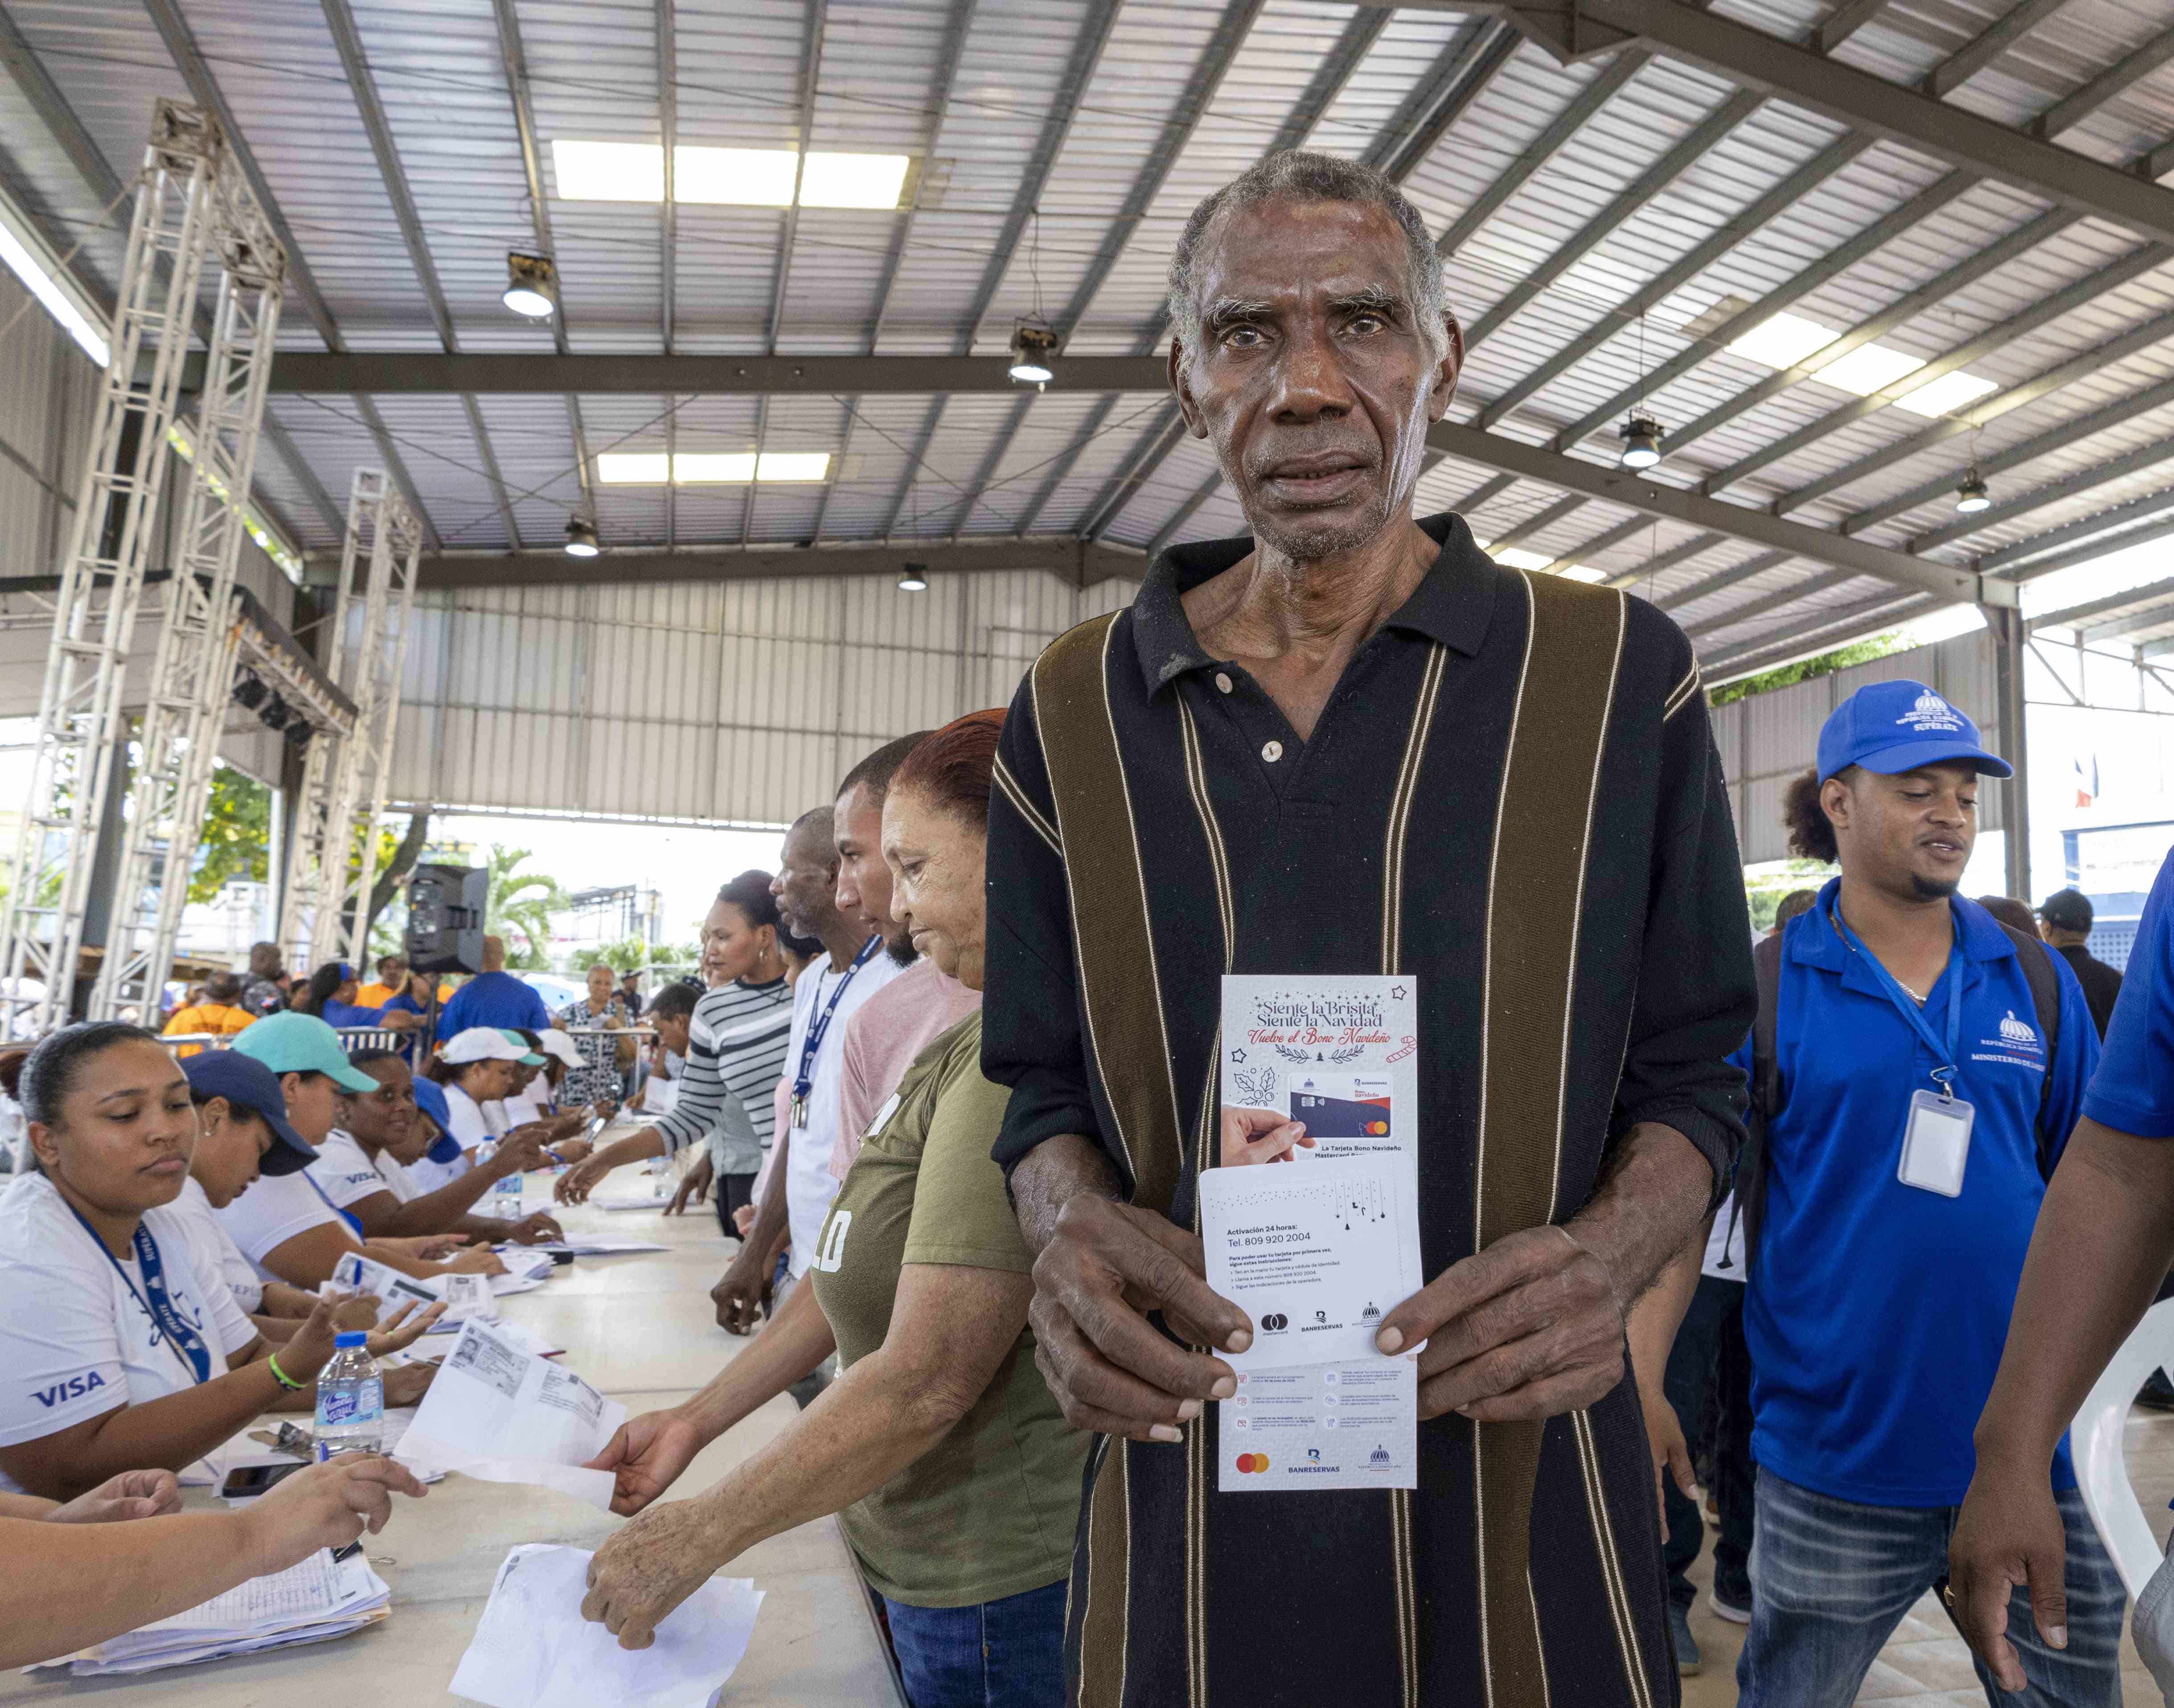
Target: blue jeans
{"points": [[1830, 1580], [1007, 1653]]}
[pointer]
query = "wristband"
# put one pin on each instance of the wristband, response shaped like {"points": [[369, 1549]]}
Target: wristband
{"points": [[281, 1377]]}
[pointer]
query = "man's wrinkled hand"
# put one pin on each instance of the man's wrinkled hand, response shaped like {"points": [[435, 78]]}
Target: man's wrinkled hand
{"points": [[1112, 1372], [652, 1565], [646, 1456], [742, 1292], [2008, 1534], [1526, 1329]]}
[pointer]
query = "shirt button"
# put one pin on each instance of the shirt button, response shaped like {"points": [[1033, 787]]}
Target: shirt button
{"points": [[1273, 752], [1222, 682]]}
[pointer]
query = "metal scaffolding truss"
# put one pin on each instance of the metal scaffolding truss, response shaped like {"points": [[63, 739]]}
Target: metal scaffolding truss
{"points": [[178, 209], [193, 669], [330, 863]]}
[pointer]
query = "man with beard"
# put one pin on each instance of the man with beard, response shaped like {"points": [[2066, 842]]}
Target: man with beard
{"points": [[1351, 744], [922, 1002], [1927, 1063]]}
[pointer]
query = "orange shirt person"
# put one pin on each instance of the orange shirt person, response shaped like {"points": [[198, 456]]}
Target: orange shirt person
{"points": [[218, 1013]]}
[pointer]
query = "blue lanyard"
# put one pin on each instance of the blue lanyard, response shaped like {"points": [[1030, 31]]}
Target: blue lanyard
{"points": [[1943, 1054], [804, 1082], [353, 1222], [159, 1306]]}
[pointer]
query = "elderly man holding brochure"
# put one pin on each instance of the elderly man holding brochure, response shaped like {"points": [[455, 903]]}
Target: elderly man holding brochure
{"points": [[1352, 760]]}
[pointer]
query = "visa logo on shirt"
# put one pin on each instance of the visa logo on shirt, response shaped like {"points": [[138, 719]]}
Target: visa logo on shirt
{"points": [[74, 1388]]}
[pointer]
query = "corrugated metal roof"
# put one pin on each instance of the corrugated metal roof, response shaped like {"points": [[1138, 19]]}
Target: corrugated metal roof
{"points": [[1182, 95]]}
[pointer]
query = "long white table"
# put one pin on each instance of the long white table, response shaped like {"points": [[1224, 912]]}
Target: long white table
{"points": [[641, 1328]]}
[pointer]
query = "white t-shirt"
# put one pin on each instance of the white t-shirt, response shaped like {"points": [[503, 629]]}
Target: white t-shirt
{"points": [[532, 1102], [271, 1212], [348, 1173], [239, 1274], [809, 1184], [75, 1340]]}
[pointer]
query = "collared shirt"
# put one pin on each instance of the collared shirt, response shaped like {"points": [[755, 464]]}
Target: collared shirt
{"points": [[809, 1184], [1289, 848], [493, 999], [2101, 984], [1877, 1311], [901, 1020], [2133, 1092]]}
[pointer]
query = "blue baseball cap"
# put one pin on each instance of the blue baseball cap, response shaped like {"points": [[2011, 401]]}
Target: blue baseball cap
{"points": [[249, 1086], [430, 1099], [1891, 727]]}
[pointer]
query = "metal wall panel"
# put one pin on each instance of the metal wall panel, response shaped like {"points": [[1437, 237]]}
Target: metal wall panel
{"points": [[1764, 739], [737, 702], [48, 388]]}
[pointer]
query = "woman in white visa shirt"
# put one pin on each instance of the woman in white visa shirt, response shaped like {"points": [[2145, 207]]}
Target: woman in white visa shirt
{"points": [[122, 1346], [475, 1067], [363, 1166], [241, 1129]]}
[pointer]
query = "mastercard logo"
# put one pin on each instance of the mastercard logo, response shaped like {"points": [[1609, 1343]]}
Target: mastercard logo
{"points": [[1375, 1129], [1251, 1462]]}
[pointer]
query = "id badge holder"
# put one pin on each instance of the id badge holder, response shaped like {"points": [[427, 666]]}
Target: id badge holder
{"points": [[1936, 1143]]}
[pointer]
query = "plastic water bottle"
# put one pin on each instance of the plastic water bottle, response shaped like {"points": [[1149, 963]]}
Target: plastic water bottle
{"points": [[503, 1200], [350, 1400]]}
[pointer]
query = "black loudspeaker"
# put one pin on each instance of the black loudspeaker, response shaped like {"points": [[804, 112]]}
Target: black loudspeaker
{"points": [[445, 918]]}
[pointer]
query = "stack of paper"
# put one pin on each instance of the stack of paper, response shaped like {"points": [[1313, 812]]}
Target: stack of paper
{"points": [[356, 1273], [527, 1268], [533, 1649], [498, 1411], [645, 1196], [311, 1602]]}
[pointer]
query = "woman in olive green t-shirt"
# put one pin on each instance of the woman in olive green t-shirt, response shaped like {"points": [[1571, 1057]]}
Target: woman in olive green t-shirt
{"points": [[953, 1473]]}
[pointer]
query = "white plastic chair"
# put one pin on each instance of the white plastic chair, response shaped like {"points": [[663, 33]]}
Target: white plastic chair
{"points": [[2094, 1442]]}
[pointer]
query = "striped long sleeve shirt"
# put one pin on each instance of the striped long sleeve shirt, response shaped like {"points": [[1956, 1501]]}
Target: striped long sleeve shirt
{"points": [[735, 1053]]}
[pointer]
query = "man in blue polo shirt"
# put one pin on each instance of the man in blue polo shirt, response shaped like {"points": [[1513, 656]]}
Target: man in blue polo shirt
{"points": [[1918, 1108], [2103, 1244], [493, 997]]}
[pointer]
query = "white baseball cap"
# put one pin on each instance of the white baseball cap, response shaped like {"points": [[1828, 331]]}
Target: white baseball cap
{"points": [[561, 1045], [484, 1044]]}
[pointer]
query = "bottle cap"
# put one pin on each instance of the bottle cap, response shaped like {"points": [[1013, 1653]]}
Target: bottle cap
{"points": [[350, 1337]]}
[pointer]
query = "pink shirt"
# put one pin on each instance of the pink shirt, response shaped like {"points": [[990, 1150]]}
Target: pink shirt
{"points": [[883, 1037]]}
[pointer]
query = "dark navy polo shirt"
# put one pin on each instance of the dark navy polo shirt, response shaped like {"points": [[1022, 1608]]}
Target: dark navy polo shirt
{"points": [[1877, 1311]]}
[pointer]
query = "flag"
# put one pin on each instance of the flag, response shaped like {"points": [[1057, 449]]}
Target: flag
{"points": [[2087, 778]]}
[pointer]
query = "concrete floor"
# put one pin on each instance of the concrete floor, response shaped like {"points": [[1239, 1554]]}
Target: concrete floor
{"points": [[1925, 1663]]}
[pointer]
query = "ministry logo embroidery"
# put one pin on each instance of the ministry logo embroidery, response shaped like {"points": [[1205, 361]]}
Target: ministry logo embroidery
{"points": [[1932, 714], [2016, 1031]]}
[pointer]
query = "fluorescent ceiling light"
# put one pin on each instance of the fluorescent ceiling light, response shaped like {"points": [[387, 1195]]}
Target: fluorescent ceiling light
{"points": [[30, 259], [1579, 572], [1518, 558], [1783, 341], [633, 468], [1868, 369], [711, 468], [794, 465], [853, 181], [726, 177], [740, 177], [1946, 395], [609, 171]]}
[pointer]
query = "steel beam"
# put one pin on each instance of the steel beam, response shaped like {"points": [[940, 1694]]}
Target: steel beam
{"points": [[1081, 562], [1715, 583], [1732, 231], [1752, 59], [2149, 507], [1669, 559], [1779, 600], [195, 71], [2081, 616], [1823, 632], [1598, 544], [1689, 151], [1959, 67], [2090, 550], [2039, 497], [1844, 22], [1675, 503]]}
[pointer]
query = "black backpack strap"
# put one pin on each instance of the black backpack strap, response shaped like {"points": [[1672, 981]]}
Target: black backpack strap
{"points": [[1765, 1097], [2045, 983]]}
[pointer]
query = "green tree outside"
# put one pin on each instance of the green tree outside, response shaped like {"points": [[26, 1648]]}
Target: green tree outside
{"points": [[521, 906]]}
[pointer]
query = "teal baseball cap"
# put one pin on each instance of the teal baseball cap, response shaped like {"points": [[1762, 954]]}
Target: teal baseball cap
{"points": [[292, 1043], [527, 1057]]}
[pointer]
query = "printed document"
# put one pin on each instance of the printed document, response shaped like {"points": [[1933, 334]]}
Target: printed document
{"points": [[532, 1649], [498, 1411], [1318, 1249]]}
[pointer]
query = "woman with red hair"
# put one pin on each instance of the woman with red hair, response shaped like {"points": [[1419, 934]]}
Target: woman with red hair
{"points": [[940, 1448]]}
